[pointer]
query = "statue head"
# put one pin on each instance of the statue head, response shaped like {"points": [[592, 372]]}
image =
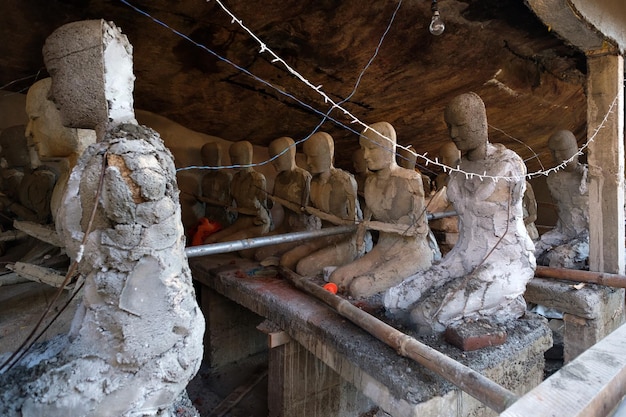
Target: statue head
{"points": [[466, 118], [563, 146], [378, 142], [91, 66], [241, 153], [358, 162], [449, 154], [407, 157], [319, 150], [287, 160], [45, 133], [211, 154]]}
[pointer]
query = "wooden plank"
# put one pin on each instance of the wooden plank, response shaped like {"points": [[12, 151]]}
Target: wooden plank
{"points": [[589, 386]]}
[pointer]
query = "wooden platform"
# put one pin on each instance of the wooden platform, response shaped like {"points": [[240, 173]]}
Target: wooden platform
{"points": [[238, 295]]}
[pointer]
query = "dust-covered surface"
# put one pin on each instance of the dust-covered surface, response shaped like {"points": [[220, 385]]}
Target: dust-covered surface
{"points": [[314, 325]]}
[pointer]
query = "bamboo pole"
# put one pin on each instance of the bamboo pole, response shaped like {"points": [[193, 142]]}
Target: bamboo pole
{"points": [[602, 278], [478, 386]]}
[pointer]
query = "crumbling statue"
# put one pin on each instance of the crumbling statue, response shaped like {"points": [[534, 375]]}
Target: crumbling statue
{"points": [[136, 339], [485, 274], [292, 189], [567, 245], [334, 198], [248, 192], [394, 200]]}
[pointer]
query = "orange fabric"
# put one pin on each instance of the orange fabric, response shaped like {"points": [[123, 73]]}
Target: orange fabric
{"points": [[204, 229]]}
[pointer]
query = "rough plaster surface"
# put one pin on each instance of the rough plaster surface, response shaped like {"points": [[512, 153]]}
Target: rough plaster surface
{"points": [[136, 339], [486, 272]]}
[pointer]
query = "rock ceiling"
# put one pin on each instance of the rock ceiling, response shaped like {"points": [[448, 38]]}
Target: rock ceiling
{"points": [[531, 81]]}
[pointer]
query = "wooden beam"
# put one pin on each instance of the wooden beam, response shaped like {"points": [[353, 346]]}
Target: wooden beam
{"points": [[605, 124]]}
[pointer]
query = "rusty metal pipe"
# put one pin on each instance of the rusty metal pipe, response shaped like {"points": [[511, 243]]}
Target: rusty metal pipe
{"points": [[478, 386], [602, 278], [236, 245]]}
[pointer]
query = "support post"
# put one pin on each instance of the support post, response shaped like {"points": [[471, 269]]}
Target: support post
{"points": [[605, 97]]}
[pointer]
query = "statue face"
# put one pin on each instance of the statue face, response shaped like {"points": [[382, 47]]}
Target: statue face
{"points": [[317, 161], [463, 132], [377, 156]]}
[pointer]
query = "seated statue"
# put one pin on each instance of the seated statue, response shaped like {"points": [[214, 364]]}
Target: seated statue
{"points": [[407, 158], [54, 148], [248, 192], [485, 274], [292, 189], [394, 200], [334, 200], [26, 189], [215, 186], [567, 245]]}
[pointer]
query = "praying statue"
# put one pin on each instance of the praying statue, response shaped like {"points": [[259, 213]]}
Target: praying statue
{"points": [[567, 245], [136, 338], [485, 274], [334, 200], [248, 197], [394, 200], [215, 186], [292, 189]]}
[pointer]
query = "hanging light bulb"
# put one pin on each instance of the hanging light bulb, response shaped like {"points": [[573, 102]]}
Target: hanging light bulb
{"points": [[436, 23]]}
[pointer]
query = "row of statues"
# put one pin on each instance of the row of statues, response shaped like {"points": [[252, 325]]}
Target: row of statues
{"points": [[136, 339]]}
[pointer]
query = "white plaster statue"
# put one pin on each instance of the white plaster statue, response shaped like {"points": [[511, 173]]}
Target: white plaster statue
{"points": [[407, 158], [292, 189], [136, 339], [394, 197], [334, 193], [248, 192], [485, 274], [567, 245]]}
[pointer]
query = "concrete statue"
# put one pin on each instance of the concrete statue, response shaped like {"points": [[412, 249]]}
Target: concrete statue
{"points": [[136, 339], [485, 274], [567, 245], [334, 199], [292, 189], [216, 186], [394, 200], [248, 194]]}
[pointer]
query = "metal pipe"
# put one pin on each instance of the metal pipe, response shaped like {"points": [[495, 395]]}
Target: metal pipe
{"points": [[475, 384], [441, 215], [236, 245]]}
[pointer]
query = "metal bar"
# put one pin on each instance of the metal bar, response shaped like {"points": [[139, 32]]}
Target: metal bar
{"points": [[441, 215], [236, 245], [475, 384]]}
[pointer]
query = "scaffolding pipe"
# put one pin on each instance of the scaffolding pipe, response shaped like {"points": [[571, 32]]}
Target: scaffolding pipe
{"points": [[475, 384], [236, 245], [602, 278]]}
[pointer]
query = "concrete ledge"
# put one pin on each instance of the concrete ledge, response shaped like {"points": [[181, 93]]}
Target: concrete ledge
{"points": [[396, 384], [589, 302]]}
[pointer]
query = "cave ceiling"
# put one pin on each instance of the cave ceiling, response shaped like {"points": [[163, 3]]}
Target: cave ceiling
{"points": [[215, 79]]}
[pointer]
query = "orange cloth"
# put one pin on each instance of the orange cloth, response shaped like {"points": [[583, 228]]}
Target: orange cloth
{"points": [[204, 229]]}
